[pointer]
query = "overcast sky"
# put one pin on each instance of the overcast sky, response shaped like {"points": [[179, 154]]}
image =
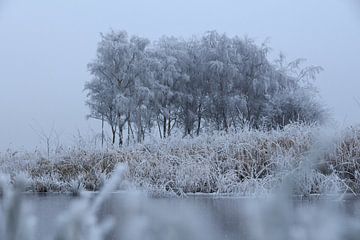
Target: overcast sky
{"points": [[46, 45]]}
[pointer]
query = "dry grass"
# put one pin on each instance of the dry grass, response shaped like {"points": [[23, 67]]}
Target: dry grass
{"points": [[246, 162]]}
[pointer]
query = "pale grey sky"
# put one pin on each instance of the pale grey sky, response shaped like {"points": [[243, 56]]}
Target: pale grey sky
{"points": [[45, 46]]}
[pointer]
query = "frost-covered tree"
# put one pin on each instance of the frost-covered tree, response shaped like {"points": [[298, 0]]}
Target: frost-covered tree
{"points": [[102, 102], [166, 75], [295, 105], [223, 77], [119, 66], [212, 82], [185, 87], [297, 100]]}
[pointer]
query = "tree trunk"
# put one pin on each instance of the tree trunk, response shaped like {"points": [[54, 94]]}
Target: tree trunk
{"points": [[164, 127], [128, 127], [113, 130], [159, 129], [225, 123], [139, 126], [121, 141], [199, 121], [102, 131], [198, 126], [143, 133], [169, 127]]}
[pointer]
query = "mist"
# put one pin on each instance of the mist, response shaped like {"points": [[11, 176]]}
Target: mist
{"points": [[47, 45]]}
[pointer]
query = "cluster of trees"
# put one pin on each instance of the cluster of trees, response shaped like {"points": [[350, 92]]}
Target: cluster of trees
{"points": [[211, 82]]}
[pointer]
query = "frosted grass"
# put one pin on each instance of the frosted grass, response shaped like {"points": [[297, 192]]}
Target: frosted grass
{"points": [[242, 163]]}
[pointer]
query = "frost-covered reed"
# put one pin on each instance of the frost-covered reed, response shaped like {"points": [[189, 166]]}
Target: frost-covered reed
{"points": [[276, 217], [79, 222], [139, 219], [16, 222], [246, 162], [294, 160]]}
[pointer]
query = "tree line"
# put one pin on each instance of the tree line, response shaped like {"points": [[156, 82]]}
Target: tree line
{"points": [[211, 82]]}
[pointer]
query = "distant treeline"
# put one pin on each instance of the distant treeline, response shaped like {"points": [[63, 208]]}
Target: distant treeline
{"points": [[213, 82]]}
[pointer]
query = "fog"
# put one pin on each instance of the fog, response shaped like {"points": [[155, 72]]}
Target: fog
{"points": [[46, 45]]}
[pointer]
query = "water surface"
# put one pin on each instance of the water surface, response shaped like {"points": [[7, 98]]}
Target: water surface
{"points": [[194, 217]]}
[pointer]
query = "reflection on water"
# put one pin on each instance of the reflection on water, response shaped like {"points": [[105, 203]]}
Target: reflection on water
{"points": [[194, 217]]}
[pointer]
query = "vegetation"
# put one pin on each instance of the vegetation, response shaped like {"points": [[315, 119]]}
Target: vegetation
{"points": [[138, 217], [244, 162], [214, 82]]}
